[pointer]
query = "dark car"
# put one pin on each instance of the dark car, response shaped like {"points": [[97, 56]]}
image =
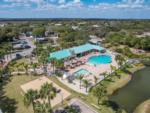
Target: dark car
{"points": [[24, 46], [27, 46], [16, 42], [18, 56], [24, 42]]}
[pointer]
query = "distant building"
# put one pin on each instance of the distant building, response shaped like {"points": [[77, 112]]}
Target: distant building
{"points": [[40, 39], [81, 23], [144, 34], [95, 40], [75, 27], [2, 25], [95, 26], [52, 35], [58, 24]]}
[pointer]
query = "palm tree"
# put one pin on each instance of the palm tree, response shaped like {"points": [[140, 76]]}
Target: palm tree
{"points": [[7, 51], [34, 66], [125, 67], [17, 66], [30, 97], [120, 59], [117, 73], [105, 74], [113, 68], [99, 92], [47, 92], [1, 75], [25, 67], [53, 62], [44, 59], [41, 108], [73, 109], [10, 49], [80, 78], [95, 79], [86, 84], [59, 64]]}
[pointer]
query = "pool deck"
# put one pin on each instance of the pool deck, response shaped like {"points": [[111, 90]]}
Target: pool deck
{"points": [[94, 70]]}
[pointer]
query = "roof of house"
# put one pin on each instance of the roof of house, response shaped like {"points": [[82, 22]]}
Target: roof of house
{"points": [[61, 54]]}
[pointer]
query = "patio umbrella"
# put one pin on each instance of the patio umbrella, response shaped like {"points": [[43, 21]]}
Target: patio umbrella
{"points": [[65, 75]]}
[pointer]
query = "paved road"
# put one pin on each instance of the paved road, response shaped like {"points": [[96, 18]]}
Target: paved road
{"points": [[84, 107], [24, 52]]}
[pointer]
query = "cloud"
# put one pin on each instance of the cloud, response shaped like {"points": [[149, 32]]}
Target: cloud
{"points": [[61, 1], [75, 7]]}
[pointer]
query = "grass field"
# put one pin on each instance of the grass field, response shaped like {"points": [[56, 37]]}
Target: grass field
{"points": [[143, 107], [11, 95], [17, 64], [117, 83]]}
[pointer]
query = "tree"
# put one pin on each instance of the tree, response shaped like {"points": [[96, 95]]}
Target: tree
{"points": [[86, 84], [30, 97], [73, 109], [44, 59], [117, 73], [17, 66], [39, 32], [113, 68], [53, 62], [47, 91], [80, 78], [105, 74], [41, 108], [99, 92], [1, 75], [25, 67], [120, 59], [59, 64], [95, 79], [34, 66]]}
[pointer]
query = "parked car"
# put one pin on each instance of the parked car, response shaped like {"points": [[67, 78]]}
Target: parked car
{"points": [[24, 42], [18, 56], [25, 46]]}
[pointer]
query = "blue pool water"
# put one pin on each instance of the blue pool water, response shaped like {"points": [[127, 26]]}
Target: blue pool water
{"points": [[100, 59], [81, 72]]}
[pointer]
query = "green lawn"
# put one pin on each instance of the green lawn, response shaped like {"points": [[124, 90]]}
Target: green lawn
{"points": [[17, 64], [112, 83], [11, 95], [116, 82], [143, 107], [88, 99]]}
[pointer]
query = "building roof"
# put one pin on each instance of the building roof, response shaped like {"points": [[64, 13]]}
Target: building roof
{"points": [[61, 54]]}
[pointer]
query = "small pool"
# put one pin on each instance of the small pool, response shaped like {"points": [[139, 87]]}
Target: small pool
{"points": [[81, 72], [100, 59]]}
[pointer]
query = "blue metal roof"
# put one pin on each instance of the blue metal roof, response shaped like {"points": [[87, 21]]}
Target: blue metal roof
{"points": [[61, 54]]}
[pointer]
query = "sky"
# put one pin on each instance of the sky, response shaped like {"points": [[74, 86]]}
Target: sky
{"points": [[118, 9]]}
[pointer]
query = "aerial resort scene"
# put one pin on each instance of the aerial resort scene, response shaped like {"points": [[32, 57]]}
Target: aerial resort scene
{"points": [[74, 56]]}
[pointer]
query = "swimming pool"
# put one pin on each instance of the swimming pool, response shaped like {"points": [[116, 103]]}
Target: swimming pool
{"points": [[81, 72], [100, 59]]}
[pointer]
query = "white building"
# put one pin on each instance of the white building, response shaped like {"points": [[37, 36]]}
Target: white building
{"points": [[95, 40]]}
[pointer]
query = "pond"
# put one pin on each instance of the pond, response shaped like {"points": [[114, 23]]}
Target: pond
{"points": [[135, 92]]}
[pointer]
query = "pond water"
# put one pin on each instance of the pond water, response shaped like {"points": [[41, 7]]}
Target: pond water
{"points": [[135, 92]]}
